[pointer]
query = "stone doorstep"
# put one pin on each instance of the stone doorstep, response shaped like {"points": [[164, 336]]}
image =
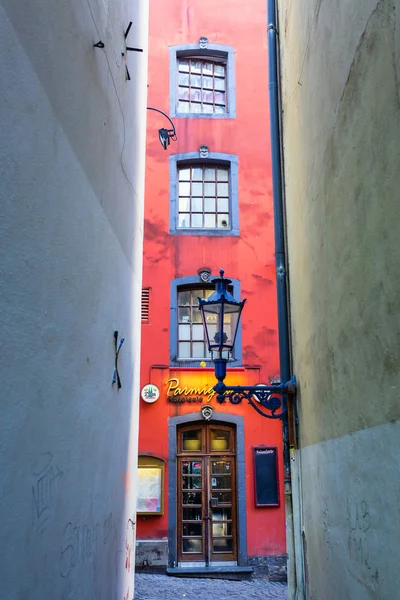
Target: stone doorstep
{"points": [[230, 573]]}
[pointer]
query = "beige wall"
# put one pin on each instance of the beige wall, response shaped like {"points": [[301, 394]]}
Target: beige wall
{"points": [[341, 132], [71, 196]]}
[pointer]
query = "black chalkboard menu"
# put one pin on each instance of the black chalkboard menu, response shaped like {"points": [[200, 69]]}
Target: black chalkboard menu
{"points": [[266, 483]]}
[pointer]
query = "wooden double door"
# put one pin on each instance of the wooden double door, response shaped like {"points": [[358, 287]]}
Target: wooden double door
{"points": [[207, 520]]}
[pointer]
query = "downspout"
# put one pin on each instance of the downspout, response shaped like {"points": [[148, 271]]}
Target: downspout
{"points": [[293, 532]]}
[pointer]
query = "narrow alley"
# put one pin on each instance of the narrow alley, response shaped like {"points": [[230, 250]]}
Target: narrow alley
{"points": [[156, 587]]}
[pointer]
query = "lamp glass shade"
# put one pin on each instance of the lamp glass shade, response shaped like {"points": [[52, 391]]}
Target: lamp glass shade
{"points": [[221, 321]]}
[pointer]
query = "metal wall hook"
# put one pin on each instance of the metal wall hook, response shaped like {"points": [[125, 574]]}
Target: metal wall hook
{"points": [[98, 45]]}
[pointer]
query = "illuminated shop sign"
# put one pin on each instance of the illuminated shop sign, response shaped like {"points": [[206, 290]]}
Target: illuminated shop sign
{"points": [[179, 394]]}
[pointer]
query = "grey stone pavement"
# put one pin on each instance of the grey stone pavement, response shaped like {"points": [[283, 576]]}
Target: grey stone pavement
{"points": [[163, 587]]}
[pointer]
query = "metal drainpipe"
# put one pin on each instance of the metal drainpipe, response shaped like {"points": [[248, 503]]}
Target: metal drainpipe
{"points": [[295, 575]]}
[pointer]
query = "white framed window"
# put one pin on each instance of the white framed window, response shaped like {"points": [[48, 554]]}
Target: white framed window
{"points": [[202, 85], [202, 81], [203, 197]]}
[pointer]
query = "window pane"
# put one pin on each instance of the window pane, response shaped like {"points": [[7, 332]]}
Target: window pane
{"points": [[198, 332], [197, 204], [184, 332], [183, 64], [191, 497], [198, 349], [191, 468], [223, 205], [193, 483], [220, 109], [222, 545], [191, 514], [209, 174], [191, 440], [195, 66], [208, 108], [184, 350], [192, 529], [183, 107], [184, 298], [184, 93], [219, 97], [183, 79], [184, 204], [222, 189], [195, 95], [197, 189], [209, 189], [195, 81], [208, 83], [184, 188], [192, 545], [197, 174], [184, 315], [207, 68], [183, 220], [184, 174], [222, 221], [209, 220], [195, 294], [219, 84], [209, 205], [196, 315], [219, 70], [222, 174], [195, 107], [197, 220], [207, 96]]}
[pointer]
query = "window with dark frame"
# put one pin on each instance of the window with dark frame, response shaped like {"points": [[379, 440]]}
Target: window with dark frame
{"points": [[191, 340], [203, 197], [202, 85]]}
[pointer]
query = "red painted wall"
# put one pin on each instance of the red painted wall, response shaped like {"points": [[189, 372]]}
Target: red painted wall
{"points": [[249, 257]]}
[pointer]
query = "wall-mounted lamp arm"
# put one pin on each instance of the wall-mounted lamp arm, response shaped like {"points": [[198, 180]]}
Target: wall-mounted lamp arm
{"points": [[170, 131]]}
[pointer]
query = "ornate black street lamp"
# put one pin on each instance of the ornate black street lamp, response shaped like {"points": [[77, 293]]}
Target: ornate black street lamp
{"points": [[221, 316]]}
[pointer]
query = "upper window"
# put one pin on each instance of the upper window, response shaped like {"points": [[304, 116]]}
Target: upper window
{"points": [[204, 193], [202, 85], [203, 197], [202, 81]]}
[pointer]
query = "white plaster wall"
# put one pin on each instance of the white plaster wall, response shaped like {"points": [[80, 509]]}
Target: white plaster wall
{"points": [[351, 515], [71, 197]]}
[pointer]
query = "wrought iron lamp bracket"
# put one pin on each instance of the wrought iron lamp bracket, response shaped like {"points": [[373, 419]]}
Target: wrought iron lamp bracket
{"points": [[269, 401]]}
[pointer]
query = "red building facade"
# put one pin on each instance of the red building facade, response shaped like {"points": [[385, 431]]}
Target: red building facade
{"points": [[208, 206]]}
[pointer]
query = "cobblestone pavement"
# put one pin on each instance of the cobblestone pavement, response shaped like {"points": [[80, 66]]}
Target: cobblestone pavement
{"points": [[163, 587]]}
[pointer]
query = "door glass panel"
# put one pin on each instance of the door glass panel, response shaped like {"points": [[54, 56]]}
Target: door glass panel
{"points": [[191, 468], [221, 482], [223, 497], [193, 529], [193, 545], [220, 439], [191, 440], [191, 483], [191, 497], [222, 545], [191, 514], [220, 467], [221, 529], [221, 514]]}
